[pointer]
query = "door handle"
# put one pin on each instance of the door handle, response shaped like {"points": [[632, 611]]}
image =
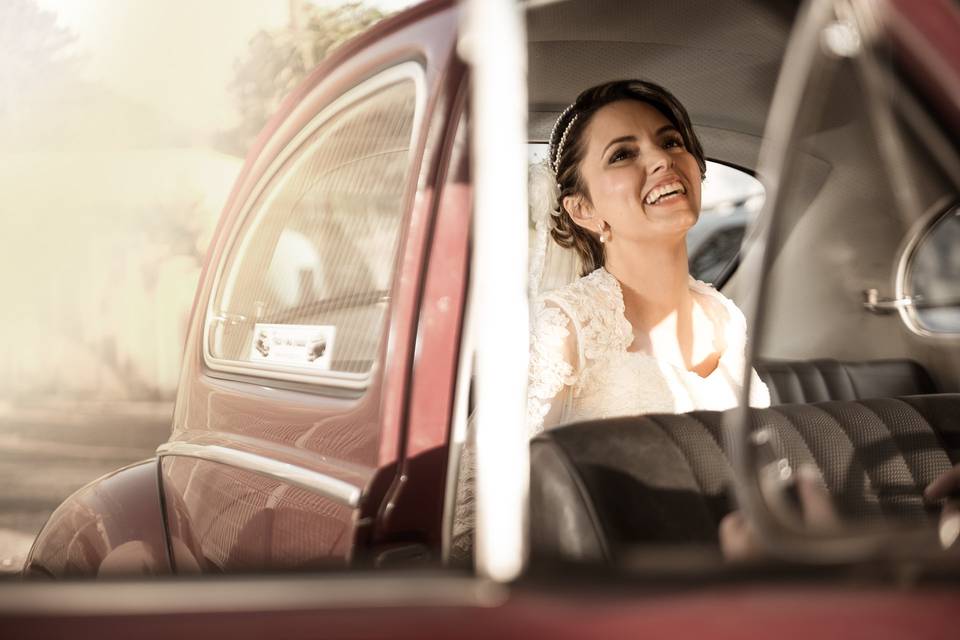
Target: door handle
{"points": [[875, 304]]}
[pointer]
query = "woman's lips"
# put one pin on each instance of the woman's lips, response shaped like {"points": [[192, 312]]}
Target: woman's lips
{"points": [[667, 199], [666, 190]]}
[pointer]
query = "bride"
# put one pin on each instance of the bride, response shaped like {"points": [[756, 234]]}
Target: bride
{"points": [[636, 333]]}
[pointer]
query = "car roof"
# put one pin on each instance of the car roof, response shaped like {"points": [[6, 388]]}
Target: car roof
{"points": [[727, 53]]}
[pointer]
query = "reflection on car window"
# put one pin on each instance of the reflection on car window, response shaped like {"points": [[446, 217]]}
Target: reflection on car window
{"points": [[309, 279], [934, 276], [730, 200]]}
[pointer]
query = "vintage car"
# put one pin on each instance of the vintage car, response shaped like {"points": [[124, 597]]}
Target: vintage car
{"points": [[365, 299]]}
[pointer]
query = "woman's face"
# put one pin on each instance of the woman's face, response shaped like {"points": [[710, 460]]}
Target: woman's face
{"points": [[641, 179]]}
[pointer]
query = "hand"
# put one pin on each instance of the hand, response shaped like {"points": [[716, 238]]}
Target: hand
{"points": [[738, 538], [946, 486]]}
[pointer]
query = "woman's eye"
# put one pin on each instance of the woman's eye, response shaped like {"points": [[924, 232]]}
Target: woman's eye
{"points": [[671, 143], [621, 154]]}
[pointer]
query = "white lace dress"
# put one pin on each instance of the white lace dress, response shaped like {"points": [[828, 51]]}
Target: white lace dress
{"points": [[602, 379]]}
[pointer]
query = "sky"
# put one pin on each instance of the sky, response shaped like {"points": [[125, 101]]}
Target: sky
{"points": [[98, 181], [176, 55]]}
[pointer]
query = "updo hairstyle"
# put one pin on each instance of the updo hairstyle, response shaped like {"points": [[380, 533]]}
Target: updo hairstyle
{"points": [[564, 230]]}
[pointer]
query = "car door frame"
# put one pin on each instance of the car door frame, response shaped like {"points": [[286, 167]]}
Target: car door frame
{"points": [[232, 420]]}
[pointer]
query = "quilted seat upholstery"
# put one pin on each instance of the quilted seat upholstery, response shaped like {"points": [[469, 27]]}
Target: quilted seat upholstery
{"points": [[825, 379], [599, 487]]}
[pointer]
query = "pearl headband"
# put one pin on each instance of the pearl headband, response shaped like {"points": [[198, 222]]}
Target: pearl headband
{"points": [[563, 138]]}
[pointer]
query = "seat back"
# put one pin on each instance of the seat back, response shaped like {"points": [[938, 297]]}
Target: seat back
{"points": [[821, 380], [602, 486]]}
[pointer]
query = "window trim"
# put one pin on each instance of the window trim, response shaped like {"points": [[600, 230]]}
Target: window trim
{"points": [[357, 382], [902, 291]]}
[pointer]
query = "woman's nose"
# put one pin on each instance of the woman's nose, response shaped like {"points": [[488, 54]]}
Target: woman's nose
{"points": [[658, 160]]}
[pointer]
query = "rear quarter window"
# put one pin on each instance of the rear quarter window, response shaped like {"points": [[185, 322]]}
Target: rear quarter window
{"points": [[305, 289]]}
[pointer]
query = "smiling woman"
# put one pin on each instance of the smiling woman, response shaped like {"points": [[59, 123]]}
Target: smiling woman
{"points": [[636, 334]]}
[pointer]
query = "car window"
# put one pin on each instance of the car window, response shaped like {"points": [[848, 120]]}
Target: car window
{"points": [[307, 284], [730, 199], [932, 276]]}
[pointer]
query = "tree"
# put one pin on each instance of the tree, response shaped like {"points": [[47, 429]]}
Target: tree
{"points": [[33, 54], [277, 61]]}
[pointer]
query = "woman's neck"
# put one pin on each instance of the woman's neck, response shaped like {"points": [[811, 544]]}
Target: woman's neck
{"points": [[658, 303], [654, 279]]}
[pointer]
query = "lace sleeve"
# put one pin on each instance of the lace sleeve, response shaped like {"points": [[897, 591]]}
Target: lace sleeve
{"points": [[553, 365], [553, 354]]}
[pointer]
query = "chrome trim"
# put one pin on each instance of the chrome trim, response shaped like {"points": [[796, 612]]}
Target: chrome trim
{"points": [[341, 379], [459, 430], [327, 486], [927, 221], [226, 595], [875, 303]]}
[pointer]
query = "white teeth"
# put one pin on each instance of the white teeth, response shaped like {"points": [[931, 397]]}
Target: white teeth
{"points": [[659, 192]]}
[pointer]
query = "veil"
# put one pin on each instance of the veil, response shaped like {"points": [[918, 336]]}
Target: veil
{"points": [[551, 266]]}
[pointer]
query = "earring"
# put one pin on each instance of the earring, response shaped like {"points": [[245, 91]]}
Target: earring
{"points": [[604, 232]]}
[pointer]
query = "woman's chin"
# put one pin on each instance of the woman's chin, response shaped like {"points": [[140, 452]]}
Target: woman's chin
{"points": [[679, 215]]}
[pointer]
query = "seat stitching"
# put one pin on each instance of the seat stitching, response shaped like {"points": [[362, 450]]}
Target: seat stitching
{"points": [[846, 371], [896, 443], [823, 379], [871, 479], [718, 443], [803, 438], [803, 395], [653, 418], [844, 488], [936, 433], [568, 464]]}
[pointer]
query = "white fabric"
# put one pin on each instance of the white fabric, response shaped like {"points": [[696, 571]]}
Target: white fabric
{"points": [[580, 366], [551, 266], [579, 359]]}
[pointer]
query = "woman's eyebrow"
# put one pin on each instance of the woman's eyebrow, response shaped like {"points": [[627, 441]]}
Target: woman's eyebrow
{"points": [[620, 139], [659, 132]]}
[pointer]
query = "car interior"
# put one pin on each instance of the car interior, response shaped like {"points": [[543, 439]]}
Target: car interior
{"points": [[855, 390]]}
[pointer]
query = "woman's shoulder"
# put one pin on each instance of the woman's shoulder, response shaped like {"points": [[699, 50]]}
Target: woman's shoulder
{"points": [[594, 306], [583, 297], [726, 312], [709, 291]]}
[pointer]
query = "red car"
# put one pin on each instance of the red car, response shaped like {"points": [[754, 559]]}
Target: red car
{"points": [[365, 294]]}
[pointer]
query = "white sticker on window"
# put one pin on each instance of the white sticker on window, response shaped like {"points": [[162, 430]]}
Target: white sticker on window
{"points": [[303, 345]]}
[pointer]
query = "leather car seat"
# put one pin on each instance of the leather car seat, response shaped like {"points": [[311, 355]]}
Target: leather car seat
{"points": [[600, 487], [825, 379]]}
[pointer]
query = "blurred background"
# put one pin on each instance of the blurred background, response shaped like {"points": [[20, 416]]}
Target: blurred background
{"points": [[122, 128]]}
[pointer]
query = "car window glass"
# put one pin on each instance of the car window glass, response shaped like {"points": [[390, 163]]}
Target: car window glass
{"points": [[730, 199], [933, 276], [308, 282]]}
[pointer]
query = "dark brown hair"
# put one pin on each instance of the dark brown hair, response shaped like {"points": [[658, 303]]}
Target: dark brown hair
{"points": [[565, 231]]}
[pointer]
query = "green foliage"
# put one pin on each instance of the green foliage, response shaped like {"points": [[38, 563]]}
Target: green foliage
{"points": [[277, 61]]}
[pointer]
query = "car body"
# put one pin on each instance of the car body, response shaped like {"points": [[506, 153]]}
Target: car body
{"points": [[278, 466]]}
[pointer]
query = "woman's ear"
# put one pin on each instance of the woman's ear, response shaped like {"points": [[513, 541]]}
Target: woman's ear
{"points": [[579, 209]]}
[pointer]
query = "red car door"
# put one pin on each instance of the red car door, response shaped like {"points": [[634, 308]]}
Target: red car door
{"points": [[291, 421]]}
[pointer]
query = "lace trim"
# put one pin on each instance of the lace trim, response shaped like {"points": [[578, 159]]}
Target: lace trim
{"points": [[594, 307], [549, 371], [604, 330]]}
